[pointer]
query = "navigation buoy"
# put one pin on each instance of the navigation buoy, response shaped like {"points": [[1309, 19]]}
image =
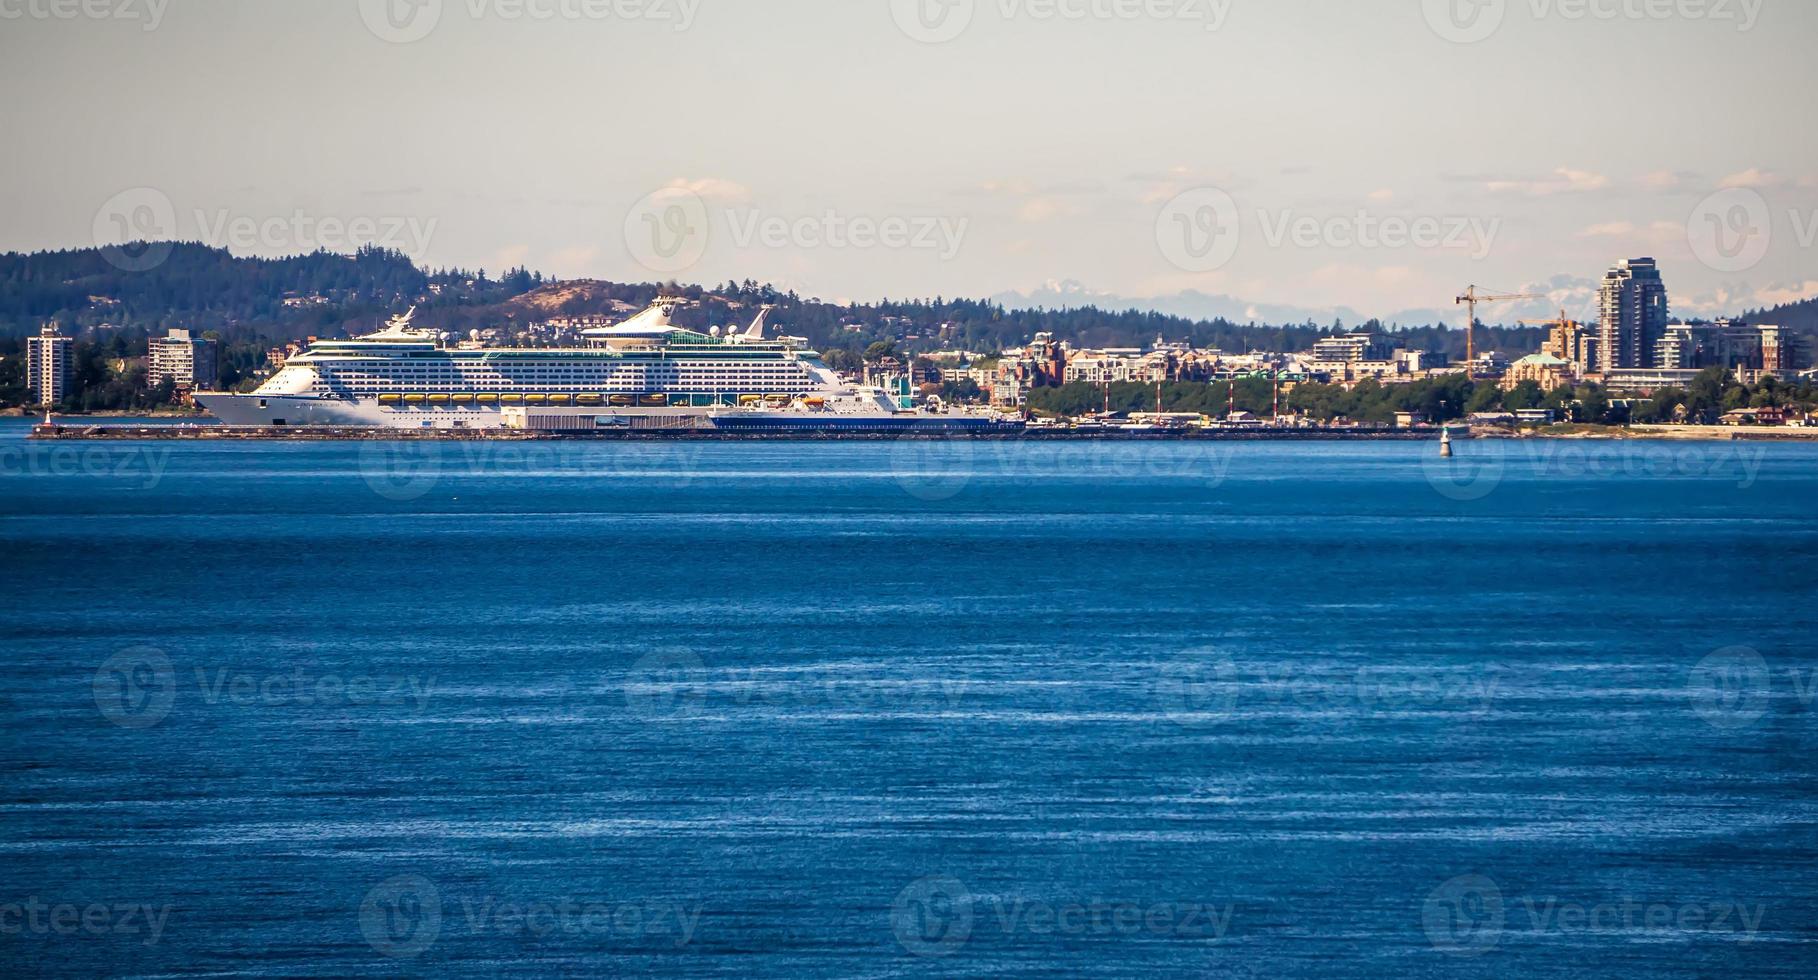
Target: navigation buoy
{"points": [[1445, 444]]}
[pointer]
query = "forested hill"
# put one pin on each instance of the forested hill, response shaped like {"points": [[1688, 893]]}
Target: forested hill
{"points": [[145, 289], [1801, 317], [175, 284]]}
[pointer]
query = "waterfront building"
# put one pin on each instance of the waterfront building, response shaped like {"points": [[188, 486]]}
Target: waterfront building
{"points": [[1572, 342], [1632, 316], [47, 365], [1352, 347], [1728, 344], [1544, 369], [1647, 380], [186, 361], [1780, 352], [1489, 364]]}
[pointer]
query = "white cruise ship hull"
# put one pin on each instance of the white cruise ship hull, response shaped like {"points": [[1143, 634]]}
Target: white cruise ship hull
{"points": [[278, 410], [266, 411]]}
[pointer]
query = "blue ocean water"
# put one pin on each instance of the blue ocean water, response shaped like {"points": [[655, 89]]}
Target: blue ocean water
{"points": [[942, 709]]}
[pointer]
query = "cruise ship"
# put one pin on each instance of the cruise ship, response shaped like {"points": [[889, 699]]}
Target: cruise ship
{"points": [[644, 373]]}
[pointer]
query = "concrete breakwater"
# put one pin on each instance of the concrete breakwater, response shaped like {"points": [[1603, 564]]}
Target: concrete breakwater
{"points": [[220, 433]]}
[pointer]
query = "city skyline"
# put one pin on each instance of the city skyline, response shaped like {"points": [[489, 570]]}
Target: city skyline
{"points": [[1291, 160]]}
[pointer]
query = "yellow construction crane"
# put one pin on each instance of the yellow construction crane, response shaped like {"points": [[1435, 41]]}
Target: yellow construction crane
{"points": [[1470, 299], [1560, 339]]}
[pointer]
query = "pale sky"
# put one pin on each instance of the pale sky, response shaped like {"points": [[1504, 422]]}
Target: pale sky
{"points": [[1376, 156]]}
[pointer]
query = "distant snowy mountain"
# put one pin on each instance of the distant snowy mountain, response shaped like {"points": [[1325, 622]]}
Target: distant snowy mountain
{"points": [[1575, 295]]}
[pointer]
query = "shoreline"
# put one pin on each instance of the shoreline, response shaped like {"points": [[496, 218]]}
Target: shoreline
{"points": [[58, 432]]}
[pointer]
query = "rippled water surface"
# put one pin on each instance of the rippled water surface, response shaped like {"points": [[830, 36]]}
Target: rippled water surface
{"points": [[864, 709]]}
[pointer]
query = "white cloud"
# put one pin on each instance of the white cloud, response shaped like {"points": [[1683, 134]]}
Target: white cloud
{"points": [[707, 188], [1613, 229], [573, 261], [1177, 180], [1657, 233], [1783, 295], [1752, 178], [510, 257], [1044, 208], [1565, 180]]}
